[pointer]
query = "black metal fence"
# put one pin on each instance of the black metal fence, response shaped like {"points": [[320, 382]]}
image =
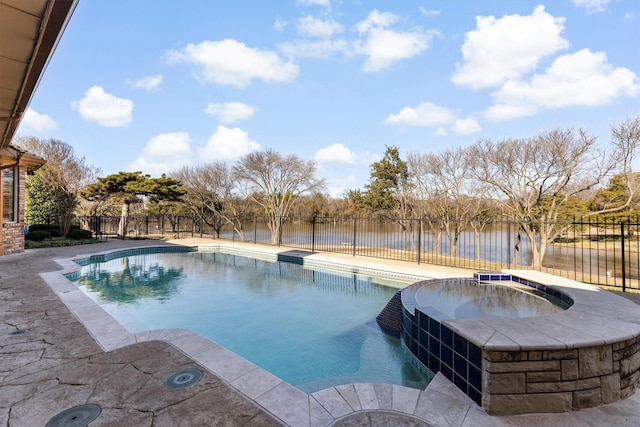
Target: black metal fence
{"points": [[603, 252]]}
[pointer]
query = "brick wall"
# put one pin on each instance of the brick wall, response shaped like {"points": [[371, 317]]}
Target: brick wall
{"points": [[13, 232]]}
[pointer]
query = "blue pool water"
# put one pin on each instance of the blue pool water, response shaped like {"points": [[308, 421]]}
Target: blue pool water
{"points": [[313, 329]]}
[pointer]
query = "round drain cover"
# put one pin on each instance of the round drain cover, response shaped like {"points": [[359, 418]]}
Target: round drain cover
{"points": [[75, 417], [183, 379]]}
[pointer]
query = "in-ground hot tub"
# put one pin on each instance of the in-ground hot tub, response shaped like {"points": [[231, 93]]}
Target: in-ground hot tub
{"points": [[583, 352], [493, 296]]}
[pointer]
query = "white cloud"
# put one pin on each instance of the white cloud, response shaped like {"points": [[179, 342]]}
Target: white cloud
{"points": [[230, 112], [229, 62], [227, 145], [502, 112], [308, 26], [323, 3], [280, 25], [148, 83], [342, 169], [164, 153], [466, 126], [34, 122], [592, 6], [376, 20], [337, 160], [338, 153], [443, 119], [429, 12], [507, 48], [425, 114], [583, 78], [313, 49], [103, 108], [337, 186], [383, 47]]}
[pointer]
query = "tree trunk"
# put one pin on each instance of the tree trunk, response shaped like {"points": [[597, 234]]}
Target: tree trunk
{"points": [[404, 237], [437, 241], [238, 228], [124, 216], [537, 251], [274, 224], [65, 203], [516, 251], [453, 249], [537, 246]]}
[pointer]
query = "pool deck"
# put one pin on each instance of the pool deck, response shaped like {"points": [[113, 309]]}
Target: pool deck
{"points": [[50, 361]]}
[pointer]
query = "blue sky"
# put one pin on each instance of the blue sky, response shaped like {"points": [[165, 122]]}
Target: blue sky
{"points": [[154, 85]]}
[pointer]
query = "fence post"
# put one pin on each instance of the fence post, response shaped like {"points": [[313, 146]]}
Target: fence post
{"points": [[354, 235], [313, 234], [419, 239], [508, 244], [255, 230], [624, 273]]}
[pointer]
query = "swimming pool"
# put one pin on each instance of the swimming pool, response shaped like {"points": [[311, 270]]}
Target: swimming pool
{"points": [[312, 328]]}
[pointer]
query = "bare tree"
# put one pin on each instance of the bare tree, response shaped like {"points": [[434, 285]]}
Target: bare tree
{"points": [[64, 175], [211, 196], [443, 178], [625, 139], [274, 181], [415, 164], [538, 177]]}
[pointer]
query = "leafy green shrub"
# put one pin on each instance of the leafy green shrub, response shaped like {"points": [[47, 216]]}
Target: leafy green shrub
{"points": [[37, 235], [54, 229], [78, 234], [41, 227], [57, 243]]}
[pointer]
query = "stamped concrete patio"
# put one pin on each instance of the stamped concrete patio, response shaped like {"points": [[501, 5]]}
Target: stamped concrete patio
{"points": [[49, 362]]}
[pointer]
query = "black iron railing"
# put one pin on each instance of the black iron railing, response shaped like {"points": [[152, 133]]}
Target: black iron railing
{"points": [[603, 252]]}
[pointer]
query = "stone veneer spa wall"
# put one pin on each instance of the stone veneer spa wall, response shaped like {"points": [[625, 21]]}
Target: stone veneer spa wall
{"points": [[583, 357]]}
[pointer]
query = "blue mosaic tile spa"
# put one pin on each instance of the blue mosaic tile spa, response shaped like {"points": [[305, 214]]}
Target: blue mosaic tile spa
{"points": [[418, 313]]}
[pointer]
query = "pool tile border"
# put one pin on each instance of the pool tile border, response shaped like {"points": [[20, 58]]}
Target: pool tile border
{"points": [[283, 401]]}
